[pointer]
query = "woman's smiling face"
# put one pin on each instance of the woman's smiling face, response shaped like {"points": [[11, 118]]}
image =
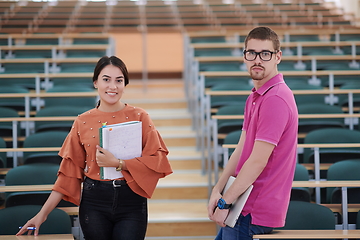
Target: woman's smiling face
{"points": [[110, 85]]}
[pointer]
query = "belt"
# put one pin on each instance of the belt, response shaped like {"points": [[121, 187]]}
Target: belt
{"points": [[114, 183]]}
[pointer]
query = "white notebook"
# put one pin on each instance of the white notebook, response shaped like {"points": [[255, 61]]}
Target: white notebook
{"points": [[238, 205], [124, 141]]}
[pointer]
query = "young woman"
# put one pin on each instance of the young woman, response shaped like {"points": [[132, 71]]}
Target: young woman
{"points": [[115, 209]]}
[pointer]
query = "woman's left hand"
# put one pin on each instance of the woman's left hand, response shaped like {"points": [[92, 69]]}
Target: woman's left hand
{"points": [[104, 158]]}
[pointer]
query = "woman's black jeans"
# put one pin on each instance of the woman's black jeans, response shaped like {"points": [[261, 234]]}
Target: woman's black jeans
{"points": [[112, 211]]}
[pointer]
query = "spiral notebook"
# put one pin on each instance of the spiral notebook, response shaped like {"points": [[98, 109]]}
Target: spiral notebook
{"points": [[124, 141], [238, 205]]}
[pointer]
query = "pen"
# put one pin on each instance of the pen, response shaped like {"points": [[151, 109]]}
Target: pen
{"points": [[29, 228]]}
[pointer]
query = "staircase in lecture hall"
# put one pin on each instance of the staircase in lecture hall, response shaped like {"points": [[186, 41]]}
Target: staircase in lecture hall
{"points": [[178, 208]]}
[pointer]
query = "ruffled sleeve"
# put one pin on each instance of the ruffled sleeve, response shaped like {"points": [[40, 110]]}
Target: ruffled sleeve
{"points": [[144, 172], [71, 171]]}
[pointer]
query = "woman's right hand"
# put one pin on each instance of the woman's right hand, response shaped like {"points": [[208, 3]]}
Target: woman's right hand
{"points": [[53, 200], [35, 222]]}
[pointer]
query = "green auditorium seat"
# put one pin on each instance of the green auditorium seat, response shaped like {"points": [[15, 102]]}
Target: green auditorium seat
{"points": [[6, 128], [88, 102], [78, 67], [308, 124], [212, 52], [304, 38], [58, 221], [332, 135], [89, 40], [346, 37], [232, 138], [56, 111], [211, 81], [333, 65], [23, 68], [306, 98], [300, 193], [42, 41], [340, 80], [344, 100], [31, 174], [219, 66], [208, 39], [218, 101], [228, 125], [3, 158], [33, 54], [72, 81], [17, 103], [313, 51], [308, 216], [345, 170], [85, 54], [23, 82], [44, 139]]}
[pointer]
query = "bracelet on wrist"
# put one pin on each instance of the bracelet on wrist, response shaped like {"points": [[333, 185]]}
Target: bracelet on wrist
{"points": [[119, 168]]}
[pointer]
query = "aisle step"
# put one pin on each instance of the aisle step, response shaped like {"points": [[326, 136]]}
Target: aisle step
{"points": [[182, 184], [178, 136], [158, 94], [179, 218], [170, 117], [184, 158], [155, 84], [148, 104]]}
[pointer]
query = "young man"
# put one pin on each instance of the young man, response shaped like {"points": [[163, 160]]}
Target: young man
{"points": [[265, 156]]}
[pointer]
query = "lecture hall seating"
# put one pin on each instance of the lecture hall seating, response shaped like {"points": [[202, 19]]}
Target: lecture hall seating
{"points": [[301, 24]]}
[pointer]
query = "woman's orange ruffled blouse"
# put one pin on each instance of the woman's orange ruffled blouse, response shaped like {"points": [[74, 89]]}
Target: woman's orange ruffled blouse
{"points": [[78, 153]]}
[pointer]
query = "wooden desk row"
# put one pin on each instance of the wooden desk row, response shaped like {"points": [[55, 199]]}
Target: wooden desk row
{"points": [[297, 184], [350, 117], [300, 62], [276, 234], [39, 237], [310, 234], [199, 103], [50, 60], [282, 44], [206, 125], [56, 47], [205, 74], [46, 75], [60, 37], [58, 53], [312, 184], [189, 21], [240, 59], [196, 91], [286, 73], [285, 34]]}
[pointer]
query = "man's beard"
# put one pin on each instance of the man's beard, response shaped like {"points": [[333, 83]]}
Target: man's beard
{"points": [[257, 75]]}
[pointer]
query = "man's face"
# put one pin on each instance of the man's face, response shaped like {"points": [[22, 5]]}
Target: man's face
{"points": [[258, 68]]}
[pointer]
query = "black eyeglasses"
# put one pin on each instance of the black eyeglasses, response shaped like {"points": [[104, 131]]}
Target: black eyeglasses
{"points": [[264, 55]]}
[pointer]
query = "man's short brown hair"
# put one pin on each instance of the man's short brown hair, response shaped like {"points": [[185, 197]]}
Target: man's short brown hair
{"points": [[264, 33]]}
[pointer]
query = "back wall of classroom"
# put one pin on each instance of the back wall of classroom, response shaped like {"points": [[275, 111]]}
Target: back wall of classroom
{"points": [[164, 53]]}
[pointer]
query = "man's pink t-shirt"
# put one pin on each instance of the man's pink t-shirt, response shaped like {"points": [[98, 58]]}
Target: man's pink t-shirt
{"points": [[271, 116]]}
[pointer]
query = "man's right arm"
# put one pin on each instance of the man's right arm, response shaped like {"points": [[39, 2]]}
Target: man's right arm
{"points": [[228, 171], [230, 167]]}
